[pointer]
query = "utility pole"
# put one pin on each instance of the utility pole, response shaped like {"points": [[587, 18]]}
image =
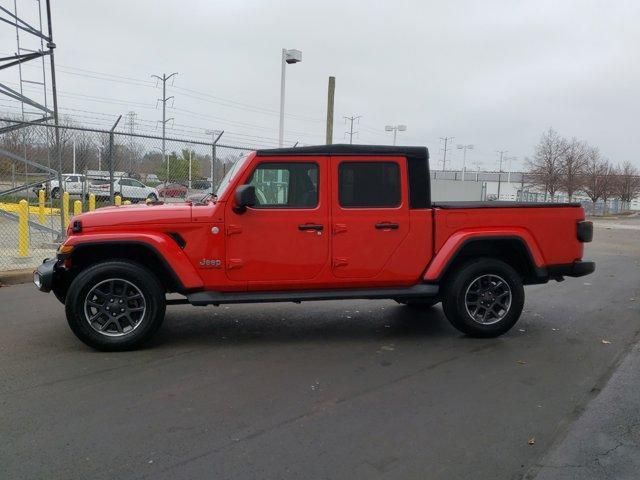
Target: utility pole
{"points": [[501, 152], [464, 157], [446, 141], [351, 119], [164, 101], [330, 97]]}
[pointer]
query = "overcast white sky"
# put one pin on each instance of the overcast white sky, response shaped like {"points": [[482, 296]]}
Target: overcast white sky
{"points": [[490, 73]]}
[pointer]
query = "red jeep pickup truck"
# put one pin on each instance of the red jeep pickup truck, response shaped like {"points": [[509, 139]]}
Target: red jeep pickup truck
{"points": [[313, 223]]}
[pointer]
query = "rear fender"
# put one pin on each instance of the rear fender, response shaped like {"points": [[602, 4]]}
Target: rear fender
{"points": [[459, 239]]}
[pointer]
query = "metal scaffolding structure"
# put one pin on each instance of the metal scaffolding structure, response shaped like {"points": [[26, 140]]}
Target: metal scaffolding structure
{"points": [[33, 44]]}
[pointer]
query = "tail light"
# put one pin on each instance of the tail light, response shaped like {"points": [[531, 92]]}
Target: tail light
{"points": [[585, 231]]}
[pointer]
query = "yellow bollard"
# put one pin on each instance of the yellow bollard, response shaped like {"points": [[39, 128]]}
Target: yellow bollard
{"points": [[127, 202], [23, 229], [92, 202], [65, 208], [118, 200], [41, 206], [77, 207]]}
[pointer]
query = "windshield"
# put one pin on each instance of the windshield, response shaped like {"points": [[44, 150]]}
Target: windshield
{"points": [[230, 175]]}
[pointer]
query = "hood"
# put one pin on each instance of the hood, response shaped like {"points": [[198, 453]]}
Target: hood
{"points": [[168, 213]]}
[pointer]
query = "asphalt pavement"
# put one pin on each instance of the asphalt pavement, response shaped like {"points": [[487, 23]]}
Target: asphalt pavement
{"points": [[336, 390]]}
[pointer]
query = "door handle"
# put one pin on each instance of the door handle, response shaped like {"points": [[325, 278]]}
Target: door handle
{"points": [[310, 226], [387, 226]]}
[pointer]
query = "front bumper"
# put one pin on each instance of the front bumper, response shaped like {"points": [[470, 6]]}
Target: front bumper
{"points": [[44, 275], [575, 269]]}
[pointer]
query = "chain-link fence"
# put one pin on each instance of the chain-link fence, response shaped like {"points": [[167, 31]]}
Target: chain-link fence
{"points": [[611, 206], [42, 186]]}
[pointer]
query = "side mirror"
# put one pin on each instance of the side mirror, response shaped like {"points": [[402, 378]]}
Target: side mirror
{"points": [[245, 196]]}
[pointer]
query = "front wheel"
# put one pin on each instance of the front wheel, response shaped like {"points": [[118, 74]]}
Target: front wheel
{"points": [[484, 298], [55, 193], [152, 198], [115, 305]]}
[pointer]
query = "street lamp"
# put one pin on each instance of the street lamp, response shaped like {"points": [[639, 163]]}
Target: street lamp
{"points": [[395, 129], [510, 159], [288, 56], [464, 157]]}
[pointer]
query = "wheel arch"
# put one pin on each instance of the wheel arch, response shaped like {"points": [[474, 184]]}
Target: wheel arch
{"points": [[511, 249], [151, 251]]}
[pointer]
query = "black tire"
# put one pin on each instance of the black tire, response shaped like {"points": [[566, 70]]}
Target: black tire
{"points": [[152, 197], [55, 193], [460, 289], [419, 302], [150, 293]]}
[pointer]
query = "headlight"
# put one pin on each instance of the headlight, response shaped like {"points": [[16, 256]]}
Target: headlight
{"points": [[37, 280]]}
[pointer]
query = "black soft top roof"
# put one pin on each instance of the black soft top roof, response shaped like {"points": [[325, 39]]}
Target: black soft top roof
{"points": [[417, 163], [346, 149]]}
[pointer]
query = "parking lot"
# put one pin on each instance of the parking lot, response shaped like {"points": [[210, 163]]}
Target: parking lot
{"points": [[354, 389]]}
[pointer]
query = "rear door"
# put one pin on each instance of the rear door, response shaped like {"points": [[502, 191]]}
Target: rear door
{"points": [[283, 239], [370, 213]]}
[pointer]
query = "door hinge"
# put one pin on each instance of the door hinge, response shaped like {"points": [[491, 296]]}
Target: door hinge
{"points": [[234, 263], [339, 228], [231, 229], [340, 262]]}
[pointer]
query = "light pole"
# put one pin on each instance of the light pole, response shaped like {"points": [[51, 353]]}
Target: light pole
{"points": [[501, 152], [288, 56], [395, 129], [464, 157], [510, 159]]}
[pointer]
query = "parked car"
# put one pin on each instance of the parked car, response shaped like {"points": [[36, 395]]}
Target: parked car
{"points": [[313, 223], [71, 182], [126, 188], [201, 185], [172, 190]]}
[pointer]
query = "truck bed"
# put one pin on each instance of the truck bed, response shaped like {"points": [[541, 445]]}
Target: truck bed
{"points": [[496, 204]]}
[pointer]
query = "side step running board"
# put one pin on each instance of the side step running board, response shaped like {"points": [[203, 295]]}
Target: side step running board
{"points": [[217, 298]]}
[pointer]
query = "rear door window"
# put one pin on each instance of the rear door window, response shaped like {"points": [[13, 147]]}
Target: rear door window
{"points": [[369, 185]]}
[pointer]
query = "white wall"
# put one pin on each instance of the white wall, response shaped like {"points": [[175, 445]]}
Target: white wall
{"points": [[452, 190]]}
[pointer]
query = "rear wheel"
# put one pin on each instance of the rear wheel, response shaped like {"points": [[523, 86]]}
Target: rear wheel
{"points": [[484, 298], [152, 197], [115, 305], [55, 192]]}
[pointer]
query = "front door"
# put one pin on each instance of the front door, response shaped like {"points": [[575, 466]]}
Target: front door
{"points": [[370, 214], [283, 240]]}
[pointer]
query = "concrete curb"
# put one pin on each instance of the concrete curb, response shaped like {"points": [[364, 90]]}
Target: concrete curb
{"points": [[16, 277]]}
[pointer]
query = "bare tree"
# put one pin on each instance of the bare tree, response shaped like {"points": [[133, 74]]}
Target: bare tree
{"points": [[595, 176], [545, 168], [627, 183], [572, 163], [608, 185]]}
